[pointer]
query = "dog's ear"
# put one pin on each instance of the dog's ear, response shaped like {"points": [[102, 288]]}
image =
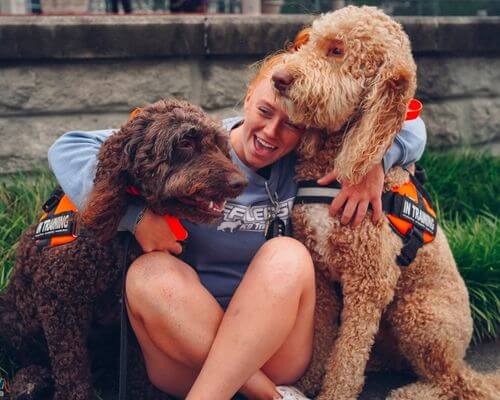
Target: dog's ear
{"points": [[107, 201], [380, 117], [301, 39]]}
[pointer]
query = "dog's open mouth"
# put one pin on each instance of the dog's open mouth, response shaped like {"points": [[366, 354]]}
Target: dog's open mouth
{"points": [[213, 207]]}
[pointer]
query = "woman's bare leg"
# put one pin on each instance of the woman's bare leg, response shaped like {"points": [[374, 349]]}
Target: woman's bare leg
{"points": [[175, 320], [275, 297]]}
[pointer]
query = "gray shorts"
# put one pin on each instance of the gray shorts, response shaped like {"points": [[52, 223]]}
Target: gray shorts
{"points": [[220, 286]]}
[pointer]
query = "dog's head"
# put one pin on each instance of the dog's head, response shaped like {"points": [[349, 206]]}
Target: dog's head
{"points": [[351, 73], [175, 157]]}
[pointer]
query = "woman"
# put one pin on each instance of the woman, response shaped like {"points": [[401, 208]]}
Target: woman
{"points": [[192, 346]]}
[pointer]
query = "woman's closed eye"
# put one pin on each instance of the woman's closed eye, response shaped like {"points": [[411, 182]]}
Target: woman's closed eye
{"points": [[266, 112]]}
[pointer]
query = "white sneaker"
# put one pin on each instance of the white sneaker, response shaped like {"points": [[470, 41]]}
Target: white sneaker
{"points": [[291, 393]]}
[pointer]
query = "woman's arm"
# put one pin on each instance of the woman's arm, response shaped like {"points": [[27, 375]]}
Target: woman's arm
{"points": [[73, 159], [354, 200], [408, 146]]}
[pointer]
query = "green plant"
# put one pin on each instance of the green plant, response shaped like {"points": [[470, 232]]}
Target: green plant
{"points": [[21, 199], [475, 243], [466, 182]]}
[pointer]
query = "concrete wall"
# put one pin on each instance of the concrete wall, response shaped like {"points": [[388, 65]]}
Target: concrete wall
{"points": [[88, 72]]}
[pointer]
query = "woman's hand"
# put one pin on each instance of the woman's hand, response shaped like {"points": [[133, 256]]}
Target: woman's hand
{"points": [[356, 198], [153, 234]]}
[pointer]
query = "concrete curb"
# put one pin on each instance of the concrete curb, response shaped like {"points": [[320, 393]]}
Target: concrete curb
{"points": [[81, 37]]}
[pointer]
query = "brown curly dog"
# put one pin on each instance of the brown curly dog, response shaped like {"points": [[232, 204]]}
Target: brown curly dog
{"points": [[179, 161], [352, 74]]}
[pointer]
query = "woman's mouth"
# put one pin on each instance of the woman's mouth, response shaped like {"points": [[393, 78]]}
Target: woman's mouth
{"points": [[262, 147]]}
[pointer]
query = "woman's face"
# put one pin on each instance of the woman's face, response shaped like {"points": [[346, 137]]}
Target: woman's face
{"points": [[266, 133]]}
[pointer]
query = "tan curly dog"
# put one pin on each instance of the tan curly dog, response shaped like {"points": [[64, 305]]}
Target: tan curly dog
{"points": [[352, 73]]}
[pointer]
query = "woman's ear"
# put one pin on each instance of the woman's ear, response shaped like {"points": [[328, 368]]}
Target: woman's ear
{"points": [[381, 117], [247, 99]]}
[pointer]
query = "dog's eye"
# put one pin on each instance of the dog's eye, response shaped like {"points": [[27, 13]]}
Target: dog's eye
{"points": [[335, 52], [186, 144]]}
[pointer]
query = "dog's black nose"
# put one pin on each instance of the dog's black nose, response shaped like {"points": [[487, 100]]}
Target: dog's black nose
{"points": [[282, 80], [237, 182]]}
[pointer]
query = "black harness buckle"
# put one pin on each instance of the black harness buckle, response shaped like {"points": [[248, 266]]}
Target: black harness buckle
{"points": [[53, 200], [414, 241]]}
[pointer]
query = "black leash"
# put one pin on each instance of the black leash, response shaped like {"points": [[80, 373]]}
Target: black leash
{"points": [[122, 388]]}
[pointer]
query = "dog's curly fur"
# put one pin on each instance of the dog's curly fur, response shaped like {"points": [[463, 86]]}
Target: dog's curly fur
{"points": [[352, 74], [179, 160]]}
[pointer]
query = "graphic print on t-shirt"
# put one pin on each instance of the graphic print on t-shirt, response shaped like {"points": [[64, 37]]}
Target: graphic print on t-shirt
{"points": [[253, 218]]}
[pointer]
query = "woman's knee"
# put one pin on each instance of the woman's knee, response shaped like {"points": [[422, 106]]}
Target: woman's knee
{"points": [[287, 260], [155, 275]]}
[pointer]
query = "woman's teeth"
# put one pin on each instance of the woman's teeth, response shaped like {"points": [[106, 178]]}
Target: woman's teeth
{"points": [[264, 144]]}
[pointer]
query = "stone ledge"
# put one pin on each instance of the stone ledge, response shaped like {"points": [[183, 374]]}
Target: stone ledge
{"points": [[77, 37], [83, 37]]}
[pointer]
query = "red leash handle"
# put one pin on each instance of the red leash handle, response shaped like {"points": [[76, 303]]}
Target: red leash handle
{"points": [[180, 233]]}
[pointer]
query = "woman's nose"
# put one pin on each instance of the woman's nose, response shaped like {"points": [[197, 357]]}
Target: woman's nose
{"points": [[272, 127]]}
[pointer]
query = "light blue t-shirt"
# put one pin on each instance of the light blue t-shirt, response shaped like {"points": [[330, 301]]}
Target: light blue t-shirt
{"points": [[221, 252]]}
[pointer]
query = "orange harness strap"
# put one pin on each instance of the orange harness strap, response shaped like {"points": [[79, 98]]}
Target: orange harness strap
{"points": [[57, 224], [411, 215], [415, 209]]}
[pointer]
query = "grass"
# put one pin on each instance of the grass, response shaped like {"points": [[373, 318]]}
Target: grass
{"points": [[21, 199], [465, 183], [464, 186]]}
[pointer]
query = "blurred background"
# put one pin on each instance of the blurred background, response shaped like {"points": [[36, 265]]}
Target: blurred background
{"points": [[394, 7]]}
